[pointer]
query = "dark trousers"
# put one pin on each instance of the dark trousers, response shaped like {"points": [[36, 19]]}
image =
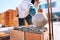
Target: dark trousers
{"points": [[28, 19]]}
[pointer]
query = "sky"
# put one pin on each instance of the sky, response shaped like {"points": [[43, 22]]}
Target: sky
{"points": [[12, 4], [8, 4]]}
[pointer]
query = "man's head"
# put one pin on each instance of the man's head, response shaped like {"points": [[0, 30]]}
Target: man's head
{"points": [[33, 1]]}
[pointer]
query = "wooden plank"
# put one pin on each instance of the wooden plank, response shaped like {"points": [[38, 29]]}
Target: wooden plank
{"points": [[20, 35], [33, 36], [16, 35]]}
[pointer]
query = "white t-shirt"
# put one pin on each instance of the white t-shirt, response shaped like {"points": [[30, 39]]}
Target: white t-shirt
{"points": [[23, 8]]}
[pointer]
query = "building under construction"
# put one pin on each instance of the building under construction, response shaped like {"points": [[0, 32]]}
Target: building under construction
{"points": [[45, 23]]}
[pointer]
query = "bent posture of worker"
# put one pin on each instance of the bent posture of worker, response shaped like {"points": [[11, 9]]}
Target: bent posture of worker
{"points": [[26, 10]]}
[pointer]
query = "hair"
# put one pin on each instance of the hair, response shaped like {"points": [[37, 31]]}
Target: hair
{"points": [[32, 1]]}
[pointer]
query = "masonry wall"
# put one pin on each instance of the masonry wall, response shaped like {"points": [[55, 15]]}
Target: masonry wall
{"points": [[9, 18]]}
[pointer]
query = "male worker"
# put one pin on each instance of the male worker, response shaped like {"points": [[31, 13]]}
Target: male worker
{"points": [[24, 11]]}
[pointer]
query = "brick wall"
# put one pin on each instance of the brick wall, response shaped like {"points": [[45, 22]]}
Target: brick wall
{"points": [[9, 18]]}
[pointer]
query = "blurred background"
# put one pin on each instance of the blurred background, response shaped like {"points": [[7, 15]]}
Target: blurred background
{"points": [[9, 11]]}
